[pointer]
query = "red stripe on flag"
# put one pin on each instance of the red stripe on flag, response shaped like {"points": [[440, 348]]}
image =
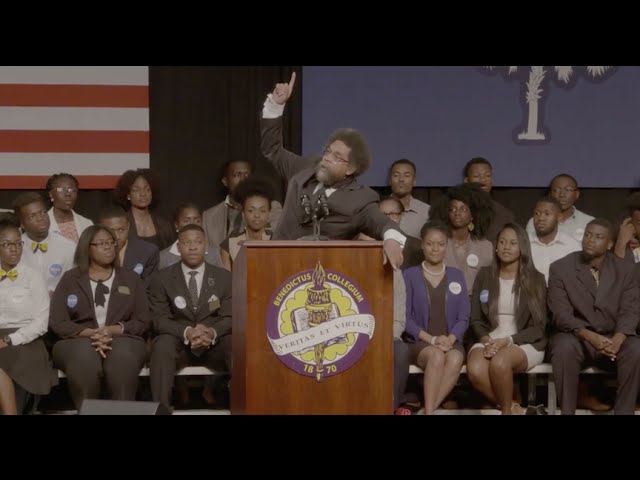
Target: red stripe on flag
{"points": [[123, 96], [87, 182], [51, 141]]}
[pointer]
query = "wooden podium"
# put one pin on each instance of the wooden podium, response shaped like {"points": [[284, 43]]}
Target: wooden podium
{"points": [[290, 294]]}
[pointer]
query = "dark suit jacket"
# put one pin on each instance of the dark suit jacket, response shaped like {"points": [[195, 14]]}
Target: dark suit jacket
{"points": [[576, 303], [501, 217], [128, 305], [352, 208], [165, 234], [141, 254], [169, 284], [418, 311], [482, 323]]}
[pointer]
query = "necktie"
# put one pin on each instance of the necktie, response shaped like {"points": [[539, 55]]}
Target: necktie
{"points": [[11, 275], [43, 247], [193, 290], [101, 291]]}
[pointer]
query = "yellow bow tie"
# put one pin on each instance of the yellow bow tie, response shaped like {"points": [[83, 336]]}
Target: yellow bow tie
{"points": [[43, 247], [12, 275]]}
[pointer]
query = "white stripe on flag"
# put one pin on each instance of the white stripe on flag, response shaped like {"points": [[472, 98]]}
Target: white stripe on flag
{"points": [[74, 118], [75, 163], [81, 75]]}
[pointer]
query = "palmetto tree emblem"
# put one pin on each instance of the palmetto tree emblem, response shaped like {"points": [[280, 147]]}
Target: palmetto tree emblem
{"points": [[535, 87]]}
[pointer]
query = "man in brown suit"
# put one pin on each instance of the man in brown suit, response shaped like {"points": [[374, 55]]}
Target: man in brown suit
{"points": [[352, 208], [595, 307]]}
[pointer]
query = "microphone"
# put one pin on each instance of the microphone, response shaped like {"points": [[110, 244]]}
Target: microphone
{"points": [[323, 206], [306, 206]]}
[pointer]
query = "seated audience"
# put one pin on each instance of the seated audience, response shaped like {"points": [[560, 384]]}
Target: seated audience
{"points": [[595, 307], [508, 319], [466, 209], [564, 188], [437, 316], [225, 218], [63, 193], [138, 193], [548, 243], [188, 214], [133, 254], [479, 170], [628, 242], [191, 305], [402, 179], [47, 252], [255, 200], [99, 316], [24, 311]]}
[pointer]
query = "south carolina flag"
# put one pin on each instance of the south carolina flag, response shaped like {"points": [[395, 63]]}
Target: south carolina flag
{"points": [[92, 122]]}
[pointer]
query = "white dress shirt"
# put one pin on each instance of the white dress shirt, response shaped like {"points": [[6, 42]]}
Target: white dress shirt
{"points": [[544, 254], [24, 304], [53, 263]]}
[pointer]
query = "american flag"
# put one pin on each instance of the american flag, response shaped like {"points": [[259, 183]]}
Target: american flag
{"points": [[92, 122]]}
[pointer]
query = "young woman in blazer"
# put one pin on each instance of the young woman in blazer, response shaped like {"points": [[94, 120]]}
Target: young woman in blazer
{"points": [[508, 319], [437, 316], [99, 314]]}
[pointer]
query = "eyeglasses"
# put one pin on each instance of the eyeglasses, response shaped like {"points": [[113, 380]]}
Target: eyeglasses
{"points": [[563, 189], [16, 245], [107, 244], [66, 189], [332, 156]]}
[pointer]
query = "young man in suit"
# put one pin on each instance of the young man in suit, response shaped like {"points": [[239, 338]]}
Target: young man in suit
{"points": [[133, 253], [595, 306], [352, 208], [191, 309]]}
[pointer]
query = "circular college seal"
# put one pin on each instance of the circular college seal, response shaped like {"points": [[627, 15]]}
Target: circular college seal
{"points": [[319, 323]]}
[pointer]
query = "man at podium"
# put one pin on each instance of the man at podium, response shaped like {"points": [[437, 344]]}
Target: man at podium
{"points": [[326, 187]]}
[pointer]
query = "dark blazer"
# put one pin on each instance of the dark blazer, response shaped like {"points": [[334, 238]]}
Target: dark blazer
{"points": [[576, 303], [352, 208], [72, 305], [144, 255], [457, 305], [169, 284], [482, 323], [165, 234]]}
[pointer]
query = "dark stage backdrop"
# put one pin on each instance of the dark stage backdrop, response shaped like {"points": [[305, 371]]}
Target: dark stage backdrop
{"points": [[203, 116]]}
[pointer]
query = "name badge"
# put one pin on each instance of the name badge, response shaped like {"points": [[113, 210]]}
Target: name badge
{"points": [[455, 288], [180, 302], [72, 301], [473, 260], [124, 290], [139, 268], [55, 270], [484, 296]]}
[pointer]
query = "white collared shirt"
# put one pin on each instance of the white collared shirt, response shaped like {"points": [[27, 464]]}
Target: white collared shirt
{"points": [[544, 255], [186, 270], [414, 217], [24, 304], [53, 263], [101, 311]]}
